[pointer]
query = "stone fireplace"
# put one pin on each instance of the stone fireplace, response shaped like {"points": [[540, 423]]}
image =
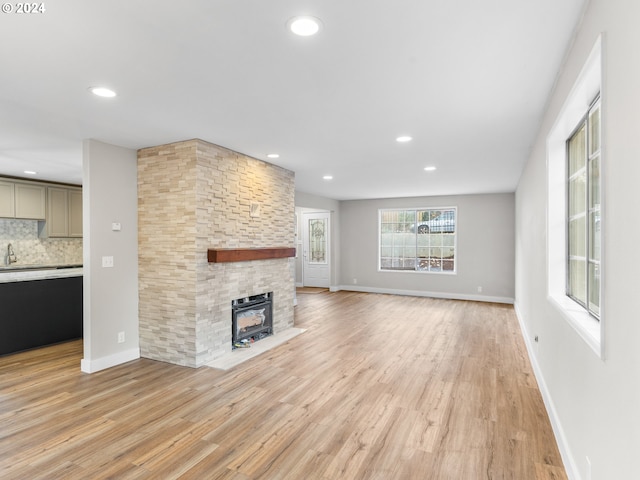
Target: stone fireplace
{"points": [[194, 196]]}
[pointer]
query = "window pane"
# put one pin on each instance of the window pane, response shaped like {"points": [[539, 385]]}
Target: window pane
{"points": [[435, 265], [436, 240], [594, 182], [594, 288], [594, 235], [594, 130], [577, 192], [577, 238], [577, 153], [318, 241], [578, 280], [448, 240]]}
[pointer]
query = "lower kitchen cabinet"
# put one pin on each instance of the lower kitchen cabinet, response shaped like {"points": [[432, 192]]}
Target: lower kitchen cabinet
{"points": [[40, 312]]}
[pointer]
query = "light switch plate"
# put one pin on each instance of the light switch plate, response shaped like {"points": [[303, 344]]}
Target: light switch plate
{"points": [[107, 262], [116, 227]]}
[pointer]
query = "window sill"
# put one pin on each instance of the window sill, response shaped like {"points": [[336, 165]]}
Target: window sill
{"points": [[434, 272], [584, 324]]}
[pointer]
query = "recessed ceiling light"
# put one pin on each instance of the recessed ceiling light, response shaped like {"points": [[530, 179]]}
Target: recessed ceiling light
{"points": [[30, 172], [304, 26], [404, 139], [273, 155], [429, 169], [328, 177], [102, 92]]}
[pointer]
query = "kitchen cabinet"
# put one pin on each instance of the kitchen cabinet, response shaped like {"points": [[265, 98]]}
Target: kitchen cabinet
{"points": [[22, 200], [55, 317], [7, 200], [75, 212], [30, 201], [64, 213]]}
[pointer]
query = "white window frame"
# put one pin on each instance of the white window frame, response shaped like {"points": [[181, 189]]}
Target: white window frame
{"points": [[586, 124], [586, 88], [418, 209]]}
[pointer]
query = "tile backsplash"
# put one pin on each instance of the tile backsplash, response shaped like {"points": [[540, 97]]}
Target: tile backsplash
{"points": [[30, 249]]}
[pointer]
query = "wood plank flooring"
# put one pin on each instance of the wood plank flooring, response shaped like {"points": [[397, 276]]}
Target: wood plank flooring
{"points": [[379, 387]]}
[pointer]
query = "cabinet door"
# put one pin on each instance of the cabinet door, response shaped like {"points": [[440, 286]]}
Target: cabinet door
{"points": [[75, 213], [58, 214], [7, 206], [30, 201]]}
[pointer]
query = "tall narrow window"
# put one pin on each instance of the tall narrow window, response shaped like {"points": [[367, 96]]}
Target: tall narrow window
{"points": [[583, 215]]}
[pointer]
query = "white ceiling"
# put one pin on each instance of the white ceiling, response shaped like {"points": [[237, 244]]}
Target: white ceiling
{"points": [[468, 80]]}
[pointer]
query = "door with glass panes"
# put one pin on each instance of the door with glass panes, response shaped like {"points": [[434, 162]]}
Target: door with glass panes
{"points": [[315, 249]]}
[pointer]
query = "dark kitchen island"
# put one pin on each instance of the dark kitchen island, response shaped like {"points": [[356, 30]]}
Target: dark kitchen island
{"points": [[39, 307]]}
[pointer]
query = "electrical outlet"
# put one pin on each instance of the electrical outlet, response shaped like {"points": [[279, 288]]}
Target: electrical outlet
{"points": [[107, 262], [479, 289], [120, 337], [355, 281]]}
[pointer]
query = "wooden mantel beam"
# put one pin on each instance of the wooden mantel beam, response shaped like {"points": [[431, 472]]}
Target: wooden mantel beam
{"points": [[225, 255]]}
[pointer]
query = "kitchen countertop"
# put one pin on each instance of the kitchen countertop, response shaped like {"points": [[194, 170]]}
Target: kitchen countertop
{"points": [[20, 273]]}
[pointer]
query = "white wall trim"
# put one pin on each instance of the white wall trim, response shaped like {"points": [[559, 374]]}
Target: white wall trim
{"points": [[422, 293], [561, 439], [92, 366]]}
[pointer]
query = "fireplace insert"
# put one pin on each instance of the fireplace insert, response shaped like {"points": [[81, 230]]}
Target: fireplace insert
{"points": [[251, 318]]}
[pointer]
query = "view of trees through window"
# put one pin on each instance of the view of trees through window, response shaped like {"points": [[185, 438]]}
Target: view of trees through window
{"points": [[422, 240]]}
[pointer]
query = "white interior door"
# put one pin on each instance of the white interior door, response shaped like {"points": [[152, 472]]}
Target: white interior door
{"points": [[316, 267]]}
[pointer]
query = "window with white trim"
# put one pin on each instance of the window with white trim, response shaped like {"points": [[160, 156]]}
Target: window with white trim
{"points": [[418, 239], [575, 110], [583, 212]]}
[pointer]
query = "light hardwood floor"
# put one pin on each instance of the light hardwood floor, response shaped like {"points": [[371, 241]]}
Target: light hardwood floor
{"points": [[379, 387]]}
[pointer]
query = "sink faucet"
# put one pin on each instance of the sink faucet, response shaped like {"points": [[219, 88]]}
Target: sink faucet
{"points": [[11, 256]]}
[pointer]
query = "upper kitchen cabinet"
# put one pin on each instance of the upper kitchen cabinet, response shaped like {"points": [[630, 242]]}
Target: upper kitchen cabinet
{"points": [[75, 212], [22, 200], [30, 201], [64, 213], [7, 200]]}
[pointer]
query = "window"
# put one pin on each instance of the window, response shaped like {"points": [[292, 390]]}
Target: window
{"points": [[583, 212], [421, 240], [577, 107]]}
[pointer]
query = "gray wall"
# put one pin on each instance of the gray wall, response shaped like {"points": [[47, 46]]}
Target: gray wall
{"points": [[110, 294], [485, 249], [594, 402]]}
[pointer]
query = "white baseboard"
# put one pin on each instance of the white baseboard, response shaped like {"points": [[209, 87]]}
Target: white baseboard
{"points": [[422, 293], [92, 366], [563, 445]]}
